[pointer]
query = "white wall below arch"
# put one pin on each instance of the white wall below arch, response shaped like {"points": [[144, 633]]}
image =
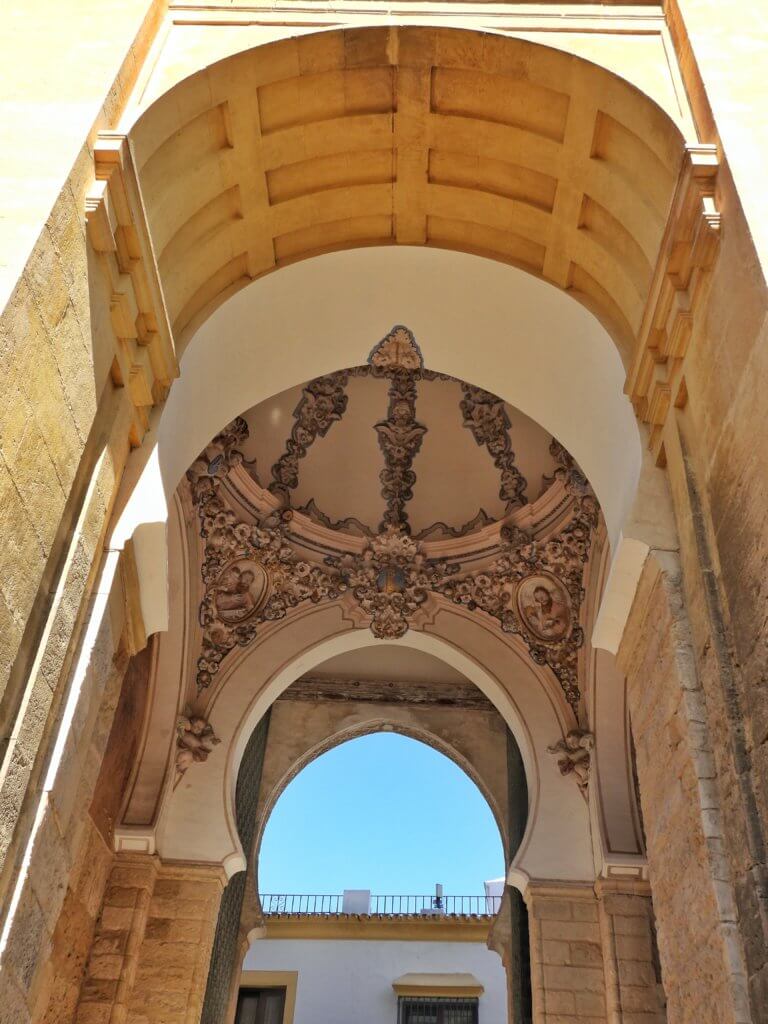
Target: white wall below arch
{"points": [[479, 320], [347, 982]]}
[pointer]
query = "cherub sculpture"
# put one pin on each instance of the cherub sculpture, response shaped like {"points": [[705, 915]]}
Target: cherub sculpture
{"points": [[575, 756], [195, 740]]}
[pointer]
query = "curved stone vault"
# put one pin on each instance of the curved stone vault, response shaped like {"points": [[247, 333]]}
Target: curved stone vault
{"points": [[415, 136]]}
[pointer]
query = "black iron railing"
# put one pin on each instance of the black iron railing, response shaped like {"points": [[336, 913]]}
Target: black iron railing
{"points": [[289, 903]]}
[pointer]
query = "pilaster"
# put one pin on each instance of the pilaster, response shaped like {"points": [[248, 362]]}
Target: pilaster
{"points": [[567, 973], [701, 955], [632, 987], [114, 957], [176, 949], [150, 956]]}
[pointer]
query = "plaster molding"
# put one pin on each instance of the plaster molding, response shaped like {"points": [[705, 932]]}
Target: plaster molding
{"points": [[485, 416], [400, 437], [323, 402], [134, 839], [252, 572], [195, 823], [427, 286], [624, 873], [233, 864]]}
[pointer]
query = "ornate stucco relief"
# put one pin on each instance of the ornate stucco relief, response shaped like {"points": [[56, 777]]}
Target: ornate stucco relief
{"points": [[484, 414], [253, 573], [400, 437], [324, 401], [574, 756], [195, 739]]}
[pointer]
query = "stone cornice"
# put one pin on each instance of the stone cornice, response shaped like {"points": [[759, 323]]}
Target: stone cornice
{"points": [[144, 353], [656, 379]]}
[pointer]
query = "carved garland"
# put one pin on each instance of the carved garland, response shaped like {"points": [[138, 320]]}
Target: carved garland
{"points": [[535, 590], [484, 414], [323, 402], [252, 574], [400, 437], [390, 580], [397, 357]]}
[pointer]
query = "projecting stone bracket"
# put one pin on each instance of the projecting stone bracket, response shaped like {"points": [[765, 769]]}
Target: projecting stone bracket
{"points": [[144, 357], [656, 379]]}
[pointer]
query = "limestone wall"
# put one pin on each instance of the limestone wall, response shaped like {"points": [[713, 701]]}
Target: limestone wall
{"points": [[692, 893], [592, 954], [64, 428], [698, 701], [58, 896], [567, 970], [633, 990]]}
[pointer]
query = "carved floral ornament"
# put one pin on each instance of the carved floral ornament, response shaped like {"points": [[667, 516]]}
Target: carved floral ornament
{"points": [[398, 359], [253, 573]]}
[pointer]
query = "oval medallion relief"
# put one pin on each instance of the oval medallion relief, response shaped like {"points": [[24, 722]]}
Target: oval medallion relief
{"points": [[544, 606], [240, 590]]}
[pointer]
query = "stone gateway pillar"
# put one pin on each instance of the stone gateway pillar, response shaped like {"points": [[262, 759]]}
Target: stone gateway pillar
{"points": [[150, 956], [633, 989], [567, 970], [592, 953]]}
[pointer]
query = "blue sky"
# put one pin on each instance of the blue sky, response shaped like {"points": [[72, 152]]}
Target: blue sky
{"points": [[384, 813]]}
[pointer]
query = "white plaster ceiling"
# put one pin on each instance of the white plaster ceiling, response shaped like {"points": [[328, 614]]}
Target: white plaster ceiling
{"points": [[475, 319], [456, 477]]}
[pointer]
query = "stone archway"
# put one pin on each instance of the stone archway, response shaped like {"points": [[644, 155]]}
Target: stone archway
{"points": [[454, 139], [719, 519], [504, 792], [381, 722], [622, 315], [413, 135]]}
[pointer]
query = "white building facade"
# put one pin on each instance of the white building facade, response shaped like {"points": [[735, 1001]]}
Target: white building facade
{"points": [[358, 969]]}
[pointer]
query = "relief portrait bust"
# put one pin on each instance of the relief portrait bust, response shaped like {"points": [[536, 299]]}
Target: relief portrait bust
{"points": [[544, 607], [240, 590]]}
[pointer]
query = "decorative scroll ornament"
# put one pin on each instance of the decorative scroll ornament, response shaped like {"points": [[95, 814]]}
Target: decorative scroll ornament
{"points": [[534, 589], [398, 351], [195, 739], [253, 574], [400, 437], [230, 615], [575, 756], [324, 401], [213, 464], [390, 580], [485, 415]]}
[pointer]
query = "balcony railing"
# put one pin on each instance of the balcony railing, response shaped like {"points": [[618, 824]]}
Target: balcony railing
{"points": [[389, 906]]}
